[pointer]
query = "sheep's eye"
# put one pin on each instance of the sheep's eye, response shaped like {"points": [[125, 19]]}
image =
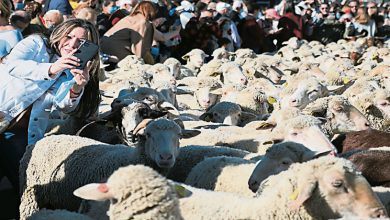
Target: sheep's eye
{"points": [[337, 183], [285, 162], [147, 135], [383, 104], [313, 91], [113, 201], [294, 133], [338, 109]]}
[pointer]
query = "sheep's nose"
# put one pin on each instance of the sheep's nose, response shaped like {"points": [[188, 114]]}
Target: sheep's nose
{"points": [[173, 81], [166, 157], [378, 213], [252, 185], [206, 101], [367, 124]]}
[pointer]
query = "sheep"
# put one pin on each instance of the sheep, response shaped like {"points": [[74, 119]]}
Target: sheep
{"points": [[300, 91], [223, 112], [174, 67], [160, 74], [223, 174], [315, 185], [151, 97], [340, 115], [118, 126], [195, 59], [46, 214], [59, 167], [191, 155], [221, 54], [231, 73], [375, 106], [360, 140], [251, 99], [280, 157], [244, 53], [135, 192], [302, 129], [205, 90]]}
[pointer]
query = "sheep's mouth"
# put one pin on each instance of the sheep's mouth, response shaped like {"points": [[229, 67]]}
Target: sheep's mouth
{"points": [[165, 164]]}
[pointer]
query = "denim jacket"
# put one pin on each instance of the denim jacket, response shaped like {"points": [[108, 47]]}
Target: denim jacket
{"points": [[25, 81]]}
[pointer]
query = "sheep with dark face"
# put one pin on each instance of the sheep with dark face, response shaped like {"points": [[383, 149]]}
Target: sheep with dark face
{"points": [[57, 165], [360, 140]]}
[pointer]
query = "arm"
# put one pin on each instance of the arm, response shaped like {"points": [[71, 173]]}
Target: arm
{"points": [[159, 36], [26, 54]]}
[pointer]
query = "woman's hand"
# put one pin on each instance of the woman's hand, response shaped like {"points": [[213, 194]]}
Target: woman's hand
{"points": [[63, 63], [81, 77]]}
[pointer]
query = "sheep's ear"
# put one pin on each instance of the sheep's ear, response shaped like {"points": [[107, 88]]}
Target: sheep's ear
{"points": [[216, 91], [153, 113], [339, 90], [207, 116], [115, 115], [94, 191], [166, 106], [247, 117], [140, 128], [186, 56], [184, 90], [274, 141], [181, 191], [301, 194], [307, 155], [189, 133], [265, 126]]}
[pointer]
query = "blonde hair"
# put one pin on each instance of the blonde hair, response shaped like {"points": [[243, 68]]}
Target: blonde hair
{"points": [[5, 8], [362, 16], [88, 14], [91, 97], [147, 9]]}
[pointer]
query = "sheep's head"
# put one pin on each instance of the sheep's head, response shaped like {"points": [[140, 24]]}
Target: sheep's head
{"points": [[160, 74], [161, 140], [195, 57], [232, 74], [300, 93], [303, 129], [221, 53], [135, 192], [278, 158], [223, 112], [174, 67], [340, 114], [244, 53], [331, 183], [207, 91]]}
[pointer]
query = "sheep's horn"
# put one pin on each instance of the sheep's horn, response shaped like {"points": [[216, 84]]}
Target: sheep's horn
{"points": [[141, 126]]}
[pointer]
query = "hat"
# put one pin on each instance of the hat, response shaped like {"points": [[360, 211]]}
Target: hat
{"points": [[212, 6], [185, 6], [221, 5], [271, 12], [185, 17]]}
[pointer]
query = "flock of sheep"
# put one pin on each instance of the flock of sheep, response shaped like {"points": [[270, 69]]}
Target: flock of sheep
{"points": [[299, 134]]}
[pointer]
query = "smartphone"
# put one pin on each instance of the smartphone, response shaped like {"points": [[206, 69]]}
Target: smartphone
{"points": [[86, 52]]}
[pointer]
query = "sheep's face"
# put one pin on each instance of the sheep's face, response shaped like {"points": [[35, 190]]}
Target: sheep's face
{"points": [[273, 74], [383, 104], [161, 74], [273, 162], [195, 58], [228, 118], [233, 74], [205, 98], [162, 143], [174, 69], [306, 92], [345, 118], [349, 194]]}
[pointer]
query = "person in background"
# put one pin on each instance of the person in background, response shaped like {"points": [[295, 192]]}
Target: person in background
{"points": [[364, 26], [235, 13], [34, 9], [132, 35], [372, 11], [51, 19], [61, 5], [88, 14], [292, 25], [109, 7], [223, 10], [26, 94], [252, 35], [270, 27], [9, 35], [322, 15], [20, 20], [18, 4], [353, 5]]}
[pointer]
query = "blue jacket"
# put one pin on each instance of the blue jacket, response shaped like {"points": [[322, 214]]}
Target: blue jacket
{"points": [[25, 81]]}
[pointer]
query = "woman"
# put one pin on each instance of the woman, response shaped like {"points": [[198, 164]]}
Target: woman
{"points": [[132, 35], [292, 25], [33, 75], [364, 26], [9, 35]]}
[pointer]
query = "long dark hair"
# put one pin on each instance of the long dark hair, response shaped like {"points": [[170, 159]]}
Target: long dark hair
{"points": [[90, 100]]}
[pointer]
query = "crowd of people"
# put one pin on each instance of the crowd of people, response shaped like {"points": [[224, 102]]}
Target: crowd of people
{"points": [[157, 29]]}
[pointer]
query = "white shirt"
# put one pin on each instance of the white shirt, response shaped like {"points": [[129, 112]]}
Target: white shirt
{"points": [[25, 81]]}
